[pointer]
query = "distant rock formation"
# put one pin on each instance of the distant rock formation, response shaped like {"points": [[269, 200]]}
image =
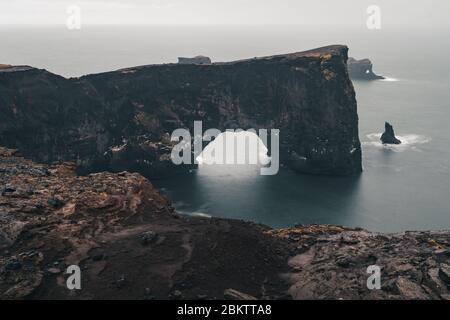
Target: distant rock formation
{"points": [[388, 137], [5, 68], [194, 60], [361, 69]]}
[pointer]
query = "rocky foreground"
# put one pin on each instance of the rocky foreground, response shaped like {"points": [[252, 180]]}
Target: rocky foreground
{"points": [[131, 244]]}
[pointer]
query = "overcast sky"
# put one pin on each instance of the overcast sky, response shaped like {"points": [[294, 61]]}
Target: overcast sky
{"points": [[407, 13]]}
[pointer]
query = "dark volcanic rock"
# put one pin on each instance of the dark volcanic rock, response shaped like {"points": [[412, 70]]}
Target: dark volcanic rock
{"points": [[362, 69], [105, 214], [194, 60], [388, 137], [122, 120], [444, 273], [148, 237], [408, 267]]}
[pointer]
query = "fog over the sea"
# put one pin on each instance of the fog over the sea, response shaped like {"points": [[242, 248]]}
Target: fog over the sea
{"points": [[406, 13]]}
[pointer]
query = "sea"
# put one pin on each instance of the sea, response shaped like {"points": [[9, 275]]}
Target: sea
{"points": [[404, 187]]}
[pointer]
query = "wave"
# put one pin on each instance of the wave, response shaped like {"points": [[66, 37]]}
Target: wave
{"points": [[198, 214], [201, 214], [194, 213], [387, 79], [409, 141]]}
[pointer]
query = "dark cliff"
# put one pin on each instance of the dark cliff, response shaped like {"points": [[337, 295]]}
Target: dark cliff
{"points": [[122, 120]]}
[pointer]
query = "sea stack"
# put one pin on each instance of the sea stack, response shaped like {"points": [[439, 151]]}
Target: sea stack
{"points": [[362, 69], [388, 137], [194, 60]]}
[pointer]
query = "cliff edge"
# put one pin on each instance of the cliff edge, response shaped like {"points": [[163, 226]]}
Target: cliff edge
{"points": [[122, 120], [130, 244]]}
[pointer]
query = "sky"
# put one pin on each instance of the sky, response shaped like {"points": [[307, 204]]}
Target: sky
{"points": [[405, 13]]}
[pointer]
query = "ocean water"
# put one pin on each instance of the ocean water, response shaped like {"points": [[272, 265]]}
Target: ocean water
{"points": [[404, 187]]}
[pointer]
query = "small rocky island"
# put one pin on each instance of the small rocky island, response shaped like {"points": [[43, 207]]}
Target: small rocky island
{"points": [[362, 69], [194, 60], [388, 137]]}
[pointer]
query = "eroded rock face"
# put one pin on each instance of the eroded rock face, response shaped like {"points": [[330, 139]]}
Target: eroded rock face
{"points": [[130, 244], [331, 263], [122, 120], [388, 137], [362, 69]]}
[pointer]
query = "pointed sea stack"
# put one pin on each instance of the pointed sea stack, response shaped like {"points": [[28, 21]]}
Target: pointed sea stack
{"points": [[388, 137]]}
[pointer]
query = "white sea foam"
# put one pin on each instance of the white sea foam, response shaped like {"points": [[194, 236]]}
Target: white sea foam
{"points": [[194, 214], [387, 79], [409, 141], [200, 215]]}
